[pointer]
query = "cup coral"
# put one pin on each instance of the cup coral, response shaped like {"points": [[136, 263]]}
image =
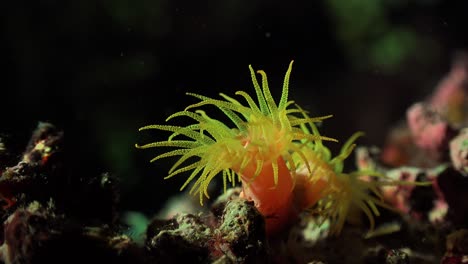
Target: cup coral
{"points": [[274, 149]]}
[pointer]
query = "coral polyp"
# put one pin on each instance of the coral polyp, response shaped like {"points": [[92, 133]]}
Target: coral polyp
{"points": [[332, 193], [276, 151], [264, 134]]}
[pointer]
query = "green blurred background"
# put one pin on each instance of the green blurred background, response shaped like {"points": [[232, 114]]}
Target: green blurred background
{"points": [[100, 69]]}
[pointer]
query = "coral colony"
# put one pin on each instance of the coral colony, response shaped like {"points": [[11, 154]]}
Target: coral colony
{"points": [[276, 151]]}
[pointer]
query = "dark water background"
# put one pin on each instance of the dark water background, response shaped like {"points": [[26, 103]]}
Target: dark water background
{"points": [[100, 69]]}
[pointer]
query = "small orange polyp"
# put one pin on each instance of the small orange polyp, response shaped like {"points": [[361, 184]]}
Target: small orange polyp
{"points": [[307, 192]]}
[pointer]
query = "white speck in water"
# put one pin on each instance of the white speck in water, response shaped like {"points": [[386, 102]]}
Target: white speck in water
{"points": [[267, 34]]}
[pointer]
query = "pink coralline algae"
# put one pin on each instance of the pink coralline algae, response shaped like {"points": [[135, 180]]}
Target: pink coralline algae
{"points": [[431, 144], [429, 130], [450, 95]]}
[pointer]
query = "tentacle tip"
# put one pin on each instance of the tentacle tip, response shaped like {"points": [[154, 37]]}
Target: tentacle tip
{"points": [[261, 72], [329, 139], [360, 133], [186, 109]]}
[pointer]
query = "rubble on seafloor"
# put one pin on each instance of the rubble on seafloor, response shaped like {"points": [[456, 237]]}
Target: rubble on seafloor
{"points": [[44, 220]]}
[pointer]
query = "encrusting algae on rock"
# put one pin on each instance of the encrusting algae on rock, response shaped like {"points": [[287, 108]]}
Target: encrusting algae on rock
{"points": [[276, 151]]}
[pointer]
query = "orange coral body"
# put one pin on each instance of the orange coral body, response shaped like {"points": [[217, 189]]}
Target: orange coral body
{"points": [[307, 193], [274, 201]]}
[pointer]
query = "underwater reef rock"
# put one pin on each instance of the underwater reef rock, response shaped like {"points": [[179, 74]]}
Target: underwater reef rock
{"points": [[52, 216], [429, 130], [241, 234], [237, 235], [459, 151], [456, 248], [35, 234], [182, 238], [27, 231], [454, 186], [39, 174]]}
